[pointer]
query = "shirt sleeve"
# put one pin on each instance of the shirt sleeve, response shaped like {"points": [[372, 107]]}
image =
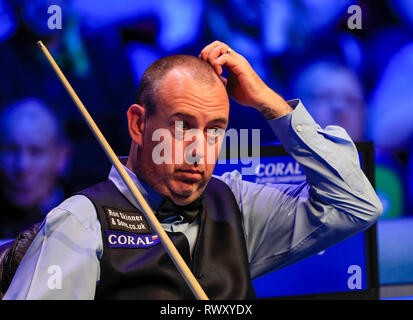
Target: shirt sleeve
{"points": [[286, 223], [63, 260]]}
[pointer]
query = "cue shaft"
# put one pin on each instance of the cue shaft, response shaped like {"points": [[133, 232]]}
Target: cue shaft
{"points": [[165, 240]]}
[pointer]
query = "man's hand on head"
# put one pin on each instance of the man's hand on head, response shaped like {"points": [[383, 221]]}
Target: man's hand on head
{"points": [[243, 83]]}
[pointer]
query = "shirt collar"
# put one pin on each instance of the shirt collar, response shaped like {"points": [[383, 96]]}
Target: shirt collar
{"points": [[153, 198]]}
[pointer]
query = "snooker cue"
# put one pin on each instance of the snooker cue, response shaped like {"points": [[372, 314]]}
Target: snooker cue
{"points": [[150, 216]]}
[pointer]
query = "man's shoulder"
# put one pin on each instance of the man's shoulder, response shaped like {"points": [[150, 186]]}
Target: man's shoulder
{"points": [[76, 203], [231, 180], [79, 207], [97, 186], [228, 177], [80, 201]]}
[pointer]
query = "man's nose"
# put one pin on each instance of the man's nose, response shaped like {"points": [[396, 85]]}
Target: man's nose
{"points": [[195, 149], [338, 104], [23, 161]]}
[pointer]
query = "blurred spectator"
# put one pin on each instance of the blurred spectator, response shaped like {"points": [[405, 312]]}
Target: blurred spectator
{"points": [[33, 155], [333, 95], [96, 66]]}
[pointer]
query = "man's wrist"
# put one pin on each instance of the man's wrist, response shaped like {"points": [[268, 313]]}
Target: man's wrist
{"points": [[273, 106]]}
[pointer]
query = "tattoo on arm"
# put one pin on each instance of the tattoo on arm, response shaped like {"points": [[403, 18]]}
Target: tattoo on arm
{"points": [[268, 113]]}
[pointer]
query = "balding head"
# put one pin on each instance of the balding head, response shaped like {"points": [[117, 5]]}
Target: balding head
{"points": [[152, 79], [30, 114]]}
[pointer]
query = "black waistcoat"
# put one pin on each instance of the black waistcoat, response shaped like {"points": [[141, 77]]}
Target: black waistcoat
{"points": [[219, 259]]}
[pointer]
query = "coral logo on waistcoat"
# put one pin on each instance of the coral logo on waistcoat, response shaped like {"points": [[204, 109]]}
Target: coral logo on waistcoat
{"points": [[116, 239]]}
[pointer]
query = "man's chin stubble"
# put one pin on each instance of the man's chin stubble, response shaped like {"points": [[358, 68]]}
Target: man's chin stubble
{"points": [[184, 195]]}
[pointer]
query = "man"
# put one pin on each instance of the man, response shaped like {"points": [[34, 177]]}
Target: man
{"points": [[33, 155], [98, 245]]}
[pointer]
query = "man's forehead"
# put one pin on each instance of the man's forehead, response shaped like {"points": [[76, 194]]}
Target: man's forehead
{"points": [[31, 122], [30, 132], [180, 83], [190, 76]]}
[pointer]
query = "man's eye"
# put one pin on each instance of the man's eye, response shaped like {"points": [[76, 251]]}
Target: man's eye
{"points": [[182, 125], [215, 131], [214, 134]]}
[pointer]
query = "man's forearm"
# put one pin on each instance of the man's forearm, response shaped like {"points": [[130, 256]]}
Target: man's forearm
{"points": [[273, 106]]}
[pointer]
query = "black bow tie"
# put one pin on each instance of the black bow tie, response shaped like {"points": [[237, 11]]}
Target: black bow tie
{"points": [[189, 212]]}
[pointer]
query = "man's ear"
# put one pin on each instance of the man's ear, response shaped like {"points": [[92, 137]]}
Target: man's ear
{"points": [[136, 122]]}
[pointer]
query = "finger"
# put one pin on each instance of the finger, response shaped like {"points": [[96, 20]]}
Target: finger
{"points": [[205, 52], [214, 54], [225, 60]]}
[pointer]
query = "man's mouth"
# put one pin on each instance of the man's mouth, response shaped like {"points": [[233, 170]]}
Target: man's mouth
{"points": [[189, 175]]}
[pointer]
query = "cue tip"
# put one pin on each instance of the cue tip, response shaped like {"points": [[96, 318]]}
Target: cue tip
{"points": [[40, 43]]}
